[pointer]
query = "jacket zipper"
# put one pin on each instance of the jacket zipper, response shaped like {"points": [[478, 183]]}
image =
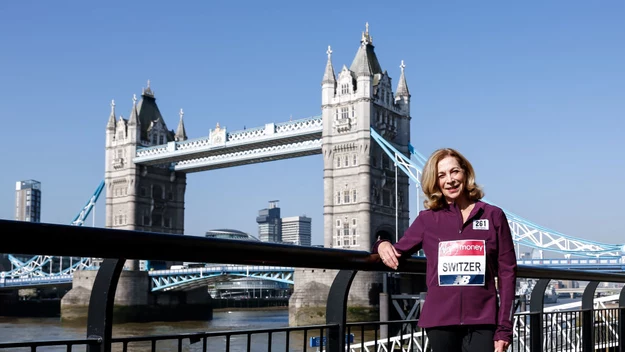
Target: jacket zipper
{"points": [[460, 232], [462, 224]]}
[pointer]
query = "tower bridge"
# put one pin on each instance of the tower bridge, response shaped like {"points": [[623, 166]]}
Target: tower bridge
{"points": [[363, 135]]}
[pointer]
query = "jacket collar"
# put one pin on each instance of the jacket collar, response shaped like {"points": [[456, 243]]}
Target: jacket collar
{"points": [[479, 207]]}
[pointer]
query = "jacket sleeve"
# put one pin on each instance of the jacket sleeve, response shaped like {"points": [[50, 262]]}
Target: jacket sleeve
{"points": [[411, 241], [507, 268]]}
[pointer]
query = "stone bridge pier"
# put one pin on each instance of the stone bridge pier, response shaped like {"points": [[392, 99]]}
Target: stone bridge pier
{"points": [[134, 302]]}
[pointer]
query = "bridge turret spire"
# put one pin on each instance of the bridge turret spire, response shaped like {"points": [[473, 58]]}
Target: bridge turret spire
{"points": [[328, 76], [402, 96], [366, 62], [148, 91], [328, 83], [181, 133], [402, 86], [133, 120], [111, 123]]}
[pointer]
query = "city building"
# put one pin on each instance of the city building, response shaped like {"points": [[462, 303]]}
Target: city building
{"points": [[297, 230], [230, 234], [28, 201], [269, 223], [250, 287], [247, 287]]}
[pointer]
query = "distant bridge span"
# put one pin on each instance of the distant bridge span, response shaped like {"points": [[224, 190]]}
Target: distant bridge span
{"points": [[185, 279]]}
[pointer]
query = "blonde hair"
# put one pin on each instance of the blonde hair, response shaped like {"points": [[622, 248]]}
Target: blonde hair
{"points": [[434, 198]]}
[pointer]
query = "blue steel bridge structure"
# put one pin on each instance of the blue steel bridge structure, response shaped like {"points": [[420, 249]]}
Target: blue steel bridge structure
{"points": [[280, 141]]}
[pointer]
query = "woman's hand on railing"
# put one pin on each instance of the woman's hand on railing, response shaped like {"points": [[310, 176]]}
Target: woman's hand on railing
{"points": [[388, 255]]}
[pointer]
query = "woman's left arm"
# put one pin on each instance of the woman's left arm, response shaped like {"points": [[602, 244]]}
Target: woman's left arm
{"points": [[507, 267]]}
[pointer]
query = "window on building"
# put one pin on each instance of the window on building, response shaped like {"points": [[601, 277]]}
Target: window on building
{"points": [[146, 217], [157, 220], [386, 198], [355, 159], [346, 161], [354, 195], [345, 88], [338, 161], [345, 112], [338, 197], [157, 192], [346, 197]]}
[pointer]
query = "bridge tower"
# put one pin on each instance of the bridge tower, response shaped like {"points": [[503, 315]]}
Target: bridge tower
{"points": [[143, 198], [362, 200]]}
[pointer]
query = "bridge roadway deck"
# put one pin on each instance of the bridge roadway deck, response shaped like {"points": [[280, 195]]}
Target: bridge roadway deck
{"points": [[272, 142]]}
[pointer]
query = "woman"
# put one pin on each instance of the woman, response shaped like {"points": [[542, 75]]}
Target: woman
{"points": [[467, 244]]}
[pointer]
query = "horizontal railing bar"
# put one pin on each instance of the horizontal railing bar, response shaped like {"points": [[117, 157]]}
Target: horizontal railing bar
{"points": [[92, 342], [53, 239], [219, 333], [565, 274], [382, 322]]}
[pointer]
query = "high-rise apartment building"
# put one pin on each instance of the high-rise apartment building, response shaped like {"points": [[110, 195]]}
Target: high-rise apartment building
{"points": [[269, 224], [297, 230], [28, 201]]}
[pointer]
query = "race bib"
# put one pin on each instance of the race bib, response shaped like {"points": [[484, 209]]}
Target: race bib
{"points": [[462, 263], [480, 224]]}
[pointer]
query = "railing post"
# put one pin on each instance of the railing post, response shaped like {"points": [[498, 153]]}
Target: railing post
{"points": [[621, 321], [588, 317], [100, 316], [336, 309], [537, 300]]}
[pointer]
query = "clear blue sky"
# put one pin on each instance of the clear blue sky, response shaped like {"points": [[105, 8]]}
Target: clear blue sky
{"points": [[532, 92]]}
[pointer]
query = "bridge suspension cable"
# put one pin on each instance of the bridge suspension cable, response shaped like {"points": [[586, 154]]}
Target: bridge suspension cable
{"points": [[524, 232]]}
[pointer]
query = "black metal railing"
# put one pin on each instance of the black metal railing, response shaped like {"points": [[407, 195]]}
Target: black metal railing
{"points": [[537, 330], [288, 338]]}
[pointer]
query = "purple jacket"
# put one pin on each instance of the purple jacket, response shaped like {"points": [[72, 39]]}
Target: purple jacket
{"points": [[447, 301]]}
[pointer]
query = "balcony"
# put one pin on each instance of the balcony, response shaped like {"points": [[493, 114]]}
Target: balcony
{"points": [[343, 125]]}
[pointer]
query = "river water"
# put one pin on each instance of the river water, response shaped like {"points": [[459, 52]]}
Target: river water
{"points": [[29, 329]]}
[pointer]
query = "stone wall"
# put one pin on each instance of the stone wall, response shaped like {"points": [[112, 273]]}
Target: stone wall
{"points": [[307, 305]]}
